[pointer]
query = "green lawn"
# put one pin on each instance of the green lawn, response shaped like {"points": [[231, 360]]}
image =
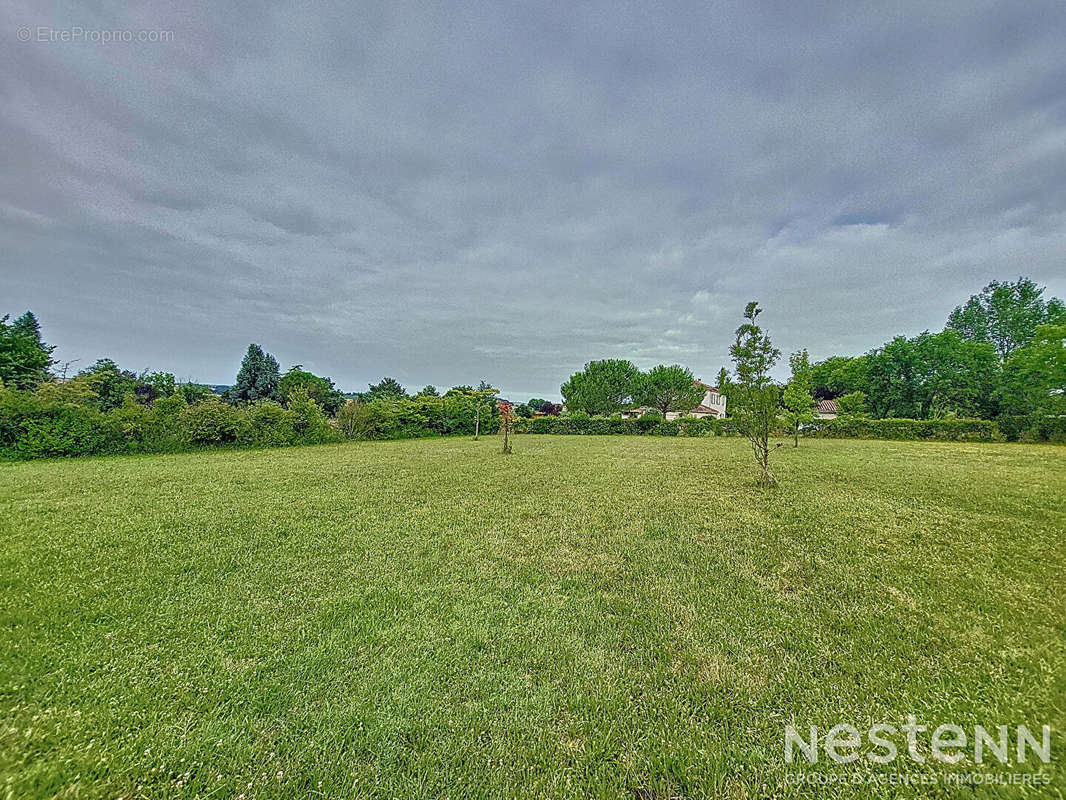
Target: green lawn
{"points": [[591, 616]]}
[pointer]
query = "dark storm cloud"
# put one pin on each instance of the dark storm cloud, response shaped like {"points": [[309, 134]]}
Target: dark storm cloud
{"points": [[503, 191]]}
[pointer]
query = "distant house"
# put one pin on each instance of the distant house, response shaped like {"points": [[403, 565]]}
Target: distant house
{"points": [[712, 405], [827, 409]]}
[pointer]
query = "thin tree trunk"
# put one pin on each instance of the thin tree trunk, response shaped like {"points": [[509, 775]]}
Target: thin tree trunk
{"points": [[763, 457]]}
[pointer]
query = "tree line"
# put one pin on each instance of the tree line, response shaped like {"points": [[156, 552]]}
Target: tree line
{"points": [[107, 409], [1001, 356], [612, 385], [1000, 353]]}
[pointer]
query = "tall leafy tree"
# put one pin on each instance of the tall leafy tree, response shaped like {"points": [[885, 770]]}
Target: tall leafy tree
{"points": [[110, 383], [797, 398], [153, 385], [320, 390], [258, 377], [932, 375], [386, 389], [475, 405], [456, 410], [755, 397], [670, 388], [428, 391], [602, 387], [852, 404], [1005, 314], [193, 392], [894, 378], [1034, 377], [838, 375], [25, 359]]}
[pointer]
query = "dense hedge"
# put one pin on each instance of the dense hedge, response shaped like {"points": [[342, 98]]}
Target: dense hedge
{"points": [[29, 431], [31, 427], [36, 425], [1033, 428], [66, 420], [416, 417], [649, 427], [957, 430], [942, 430]]}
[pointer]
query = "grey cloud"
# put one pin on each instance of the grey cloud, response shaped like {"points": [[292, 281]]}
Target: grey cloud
{"points": [[465, 191]]}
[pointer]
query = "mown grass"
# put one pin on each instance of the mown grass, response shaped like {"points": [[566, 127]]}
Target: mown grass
{"points": [[592, 616]]}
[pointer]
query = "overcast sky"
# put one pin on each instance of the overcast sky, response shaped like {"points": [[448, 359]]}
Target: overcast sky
{"points": [[449, 192]]}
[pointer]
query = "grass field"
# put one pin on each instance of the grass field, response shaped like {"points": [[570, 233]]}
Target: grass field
{"points": [[609, 617]]}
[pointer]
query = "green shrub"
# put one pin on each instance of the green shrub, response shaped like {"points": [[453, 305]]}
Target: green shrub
{"points": [[537, 425], [62, 420], [361, 420], [14, 405], [193, 393], [68, 432], [132, 420], [1049, 429], [1032, 428], [348, 420], [161, 432], [416, 417], [269, 425], [692, 427], [1054, 430], [170, 407], [1012, 426], [210, 422], [308, 422], [30, 428]]}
